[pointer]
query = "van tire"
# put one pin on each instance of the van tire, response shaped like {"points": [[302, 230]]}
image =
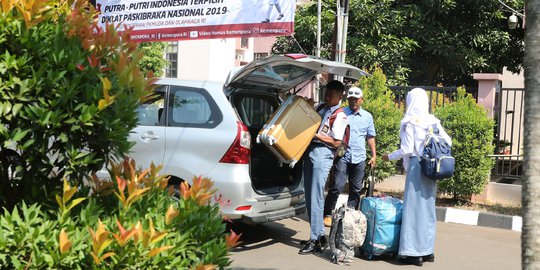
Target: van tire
{"points": [[175, 182]]}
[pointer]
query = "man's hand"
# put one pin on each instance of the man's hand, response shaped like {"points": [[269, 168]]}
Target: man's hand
{"points": [[328, 140], [373, 162], [385, 157], [310, 101]]}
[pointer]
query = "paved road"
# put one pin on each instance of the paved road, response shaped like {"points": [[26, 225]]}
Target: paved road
{"points": [[275, 246]]}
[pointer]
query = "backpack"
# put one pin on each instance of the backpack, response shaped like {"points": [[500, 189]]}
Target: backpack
{"points": [[348, 231], [342, 148], [436, 160]]}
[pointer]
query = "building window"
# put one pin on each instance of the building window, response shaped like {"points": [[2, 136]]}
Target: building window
{"points": [[172, 56], [259, 56], [244, 43]]}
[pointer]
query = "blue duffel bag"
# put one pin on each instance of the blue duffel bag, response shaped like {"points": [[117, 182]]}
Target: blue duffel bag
{"points": [[383, 214]]}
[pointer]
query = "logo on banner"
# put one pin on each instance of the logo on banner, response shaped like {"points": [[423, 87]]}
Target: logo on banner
{"points": [[194, 34]]}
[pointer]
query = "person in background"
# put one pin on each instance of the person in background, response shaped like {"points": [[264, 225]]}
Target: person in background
{"points": [[317, 163], [417, 236], [353, 163]]}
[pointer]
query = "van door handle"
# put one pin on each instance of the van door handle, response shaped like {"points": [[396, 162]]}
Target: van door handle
{"points": [[149, 136]]}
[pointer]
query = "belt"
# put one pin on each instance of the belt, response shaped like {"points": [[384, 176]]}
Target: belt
{"points": [[318, 144]]}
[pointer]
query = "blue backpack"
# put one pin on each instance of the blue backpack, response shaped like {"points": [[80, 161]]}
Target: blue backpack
{"points": [[436, 160]]}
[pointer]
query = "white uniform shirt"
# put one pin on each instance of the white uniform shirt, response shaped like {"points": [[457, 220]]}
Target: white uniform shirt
{"points": [[412, 142], [337, 131]]}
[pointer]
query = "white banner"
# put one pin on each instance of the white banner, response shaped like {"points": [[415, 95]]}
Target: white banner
{"points": [[166, 20]]}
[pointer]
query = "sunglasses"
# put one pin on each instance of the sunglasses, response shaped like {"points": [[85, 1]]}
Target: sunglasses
{"points": [[356, 93]]}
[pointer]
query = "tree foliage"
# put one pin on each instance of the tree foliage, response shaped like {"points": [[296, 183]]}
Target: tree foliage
{"points": [[68, 94], [471, 131], [418, 42], [152, 59], [306, 31], [131, 223], [458, 38]]}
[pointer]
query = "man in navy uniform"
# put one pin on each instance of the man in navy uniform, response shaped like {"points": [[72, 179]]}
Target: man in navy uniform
{"points": [[318, 162]]}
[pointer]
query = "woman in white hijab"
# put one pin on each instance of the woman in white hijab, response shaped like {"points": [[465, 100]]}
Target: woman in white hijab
{"points": [[417, 237]]}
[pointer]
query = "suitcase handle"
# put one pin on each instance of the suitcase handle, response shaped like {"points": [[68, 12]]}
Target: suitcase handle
{"points": [[371, 182], [369, 185]]}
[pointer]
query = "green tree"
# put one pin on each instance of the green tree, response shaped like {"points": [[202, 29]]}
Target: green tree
{"points": [[152, 58], [376, 38], [471, 131], [68, 95], [418, 42], [131, 223], [459, 37], [305, 24]]}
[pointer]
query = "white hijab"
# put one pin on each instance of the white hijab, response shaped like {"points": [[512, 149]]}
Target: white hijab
{"points": [[417, 112]]}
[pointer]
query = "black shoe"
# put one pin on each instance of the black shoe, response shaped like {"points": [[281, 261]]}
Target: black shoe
{"points": [[311, 247], [429, 258], [279, 17], [418, 261], [324, 243], [266, 21]]}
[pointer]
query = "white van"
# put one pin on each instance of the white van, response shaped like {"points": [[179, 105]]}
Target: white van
{"points": [[201, 128]]}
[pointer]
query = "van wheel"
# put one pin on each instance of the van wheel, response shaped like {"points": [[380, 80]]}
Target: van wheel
{"points": [[230, 225], [174, 182]]}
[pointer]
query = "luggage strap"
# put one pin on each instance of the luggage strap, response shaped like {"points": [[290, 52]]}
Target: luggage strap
{"points": [[332, 119]]}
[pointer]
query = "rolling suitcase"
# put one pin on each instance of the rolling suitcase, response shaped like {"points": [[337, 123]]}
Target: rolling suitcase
{"points": [[290, 130], [383, 214]]}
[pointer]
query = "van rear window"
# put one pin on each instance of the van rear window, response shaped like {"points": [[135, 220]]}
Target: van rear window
{"points": [[192, 107]]}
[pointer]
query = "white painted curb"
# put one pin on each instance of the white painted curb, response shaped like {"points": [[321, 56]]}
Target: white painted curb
{"points": [[467, 217], [461, 216]]}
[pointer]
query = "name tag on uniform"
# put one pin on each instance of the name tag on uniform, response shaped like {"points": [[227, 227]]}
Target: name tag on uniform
{"points": [[325, 129]]}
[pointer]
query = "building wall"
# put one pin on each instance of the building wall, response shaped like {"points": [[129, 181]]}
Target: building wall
{"points": [[207, 60], [212, 59], [513, 80], [263, 44], [243, 53]]}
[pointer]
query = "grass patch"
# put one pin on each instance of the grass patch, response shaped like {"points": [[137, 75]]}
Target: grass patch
{"points": [[510, 210]]}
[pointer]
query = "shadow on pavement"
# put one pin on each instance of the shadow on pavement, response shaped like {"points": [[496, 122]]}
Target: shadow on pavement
{"points": [[258, 236], [271, 233]]}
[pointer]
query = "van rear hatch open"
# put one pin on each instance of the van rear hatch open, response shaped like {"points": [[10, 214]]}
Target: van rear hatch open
{"points": [[253, 91], [280, 73]]}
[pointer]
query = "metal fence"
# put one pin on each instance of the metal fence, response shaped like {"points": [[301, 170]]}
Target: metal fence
{"points": [[508, 136], [438, 96]]}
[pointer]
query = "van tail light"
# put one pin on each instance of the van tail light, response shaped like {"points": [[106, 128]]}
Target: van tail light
{"points": [[243, 208], [240, 150]]}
